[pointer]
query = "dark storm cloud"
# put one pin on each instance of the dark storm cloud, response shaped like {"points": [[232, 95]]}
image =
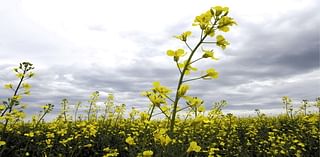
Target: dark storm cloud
{"points": [[288, 45]]}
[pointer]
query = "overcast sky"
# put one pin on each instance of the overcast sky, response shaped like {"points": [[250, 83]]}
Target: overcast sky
{"points": [[78, 47]]}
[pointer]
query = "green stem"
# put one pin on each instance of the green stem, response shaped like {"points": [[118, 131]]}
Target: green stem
{"points": [[195, 60], [178, 68], [152, 109], [197, 78], [188, 45], [168, 97], [209, 42], [287, 109], [195, 112], [164, 113], [174, 112], [64, 111], [45, 112], [76, 112], [12, 101], [182, 109], [15, 94], [90, 108]]}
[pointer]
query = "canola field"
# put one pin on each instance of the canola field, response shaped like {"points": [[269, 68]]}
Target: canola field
{"points": [[213, 135], [186, 129]]}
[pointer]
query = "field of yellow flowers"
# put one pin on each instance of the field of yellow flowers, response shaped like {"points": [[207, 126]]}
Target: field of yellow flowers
{"points": [[114, 135], [110, 130]]}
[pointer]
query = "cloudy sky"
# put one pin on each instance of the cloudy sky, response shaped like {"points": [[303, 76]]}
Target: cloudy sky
{"points": [[78, 47]]}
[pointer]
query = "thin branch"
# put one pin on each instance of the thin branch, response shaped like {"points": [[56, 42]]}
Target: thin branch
{"points": [[209, 42], [187, 116], [193, 79], [153, 106], [156, 114], [163, 112], [179, 67], [188, 45], [168, 97], [183, 108], [164, 96], [195, 60]]}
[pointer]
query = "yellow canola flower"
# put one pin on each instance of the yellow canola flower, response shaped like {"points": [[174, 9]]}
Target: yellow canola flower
{"points": [[48, 142], [26, 86], [17, 97], [201, 109], [176, 54], [184, 36], [211, 73], [147, 153], [156, 99], [26, 92], [65, 141], [2, 107], [210, 31], [201, 119], [212, 152], [194, 147], [87, 145], [8, 86], [188, 68], [110, 152], [160, 89], [203, 20], [219, 10], [209, 54], [130, 141], [165, 140], [19, 75], [31, 134], [50, 135], [194, 101], [225, 22], [222, 42], [31, 74], [62, 132], [144, 115], [2, 143], [183, 90], [162, 137]]}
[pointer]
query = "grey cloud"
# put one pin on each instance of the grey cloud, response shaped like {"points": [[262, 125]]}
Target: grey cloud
{"points": [[272, 52], [254, 73], [289, 44]]}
